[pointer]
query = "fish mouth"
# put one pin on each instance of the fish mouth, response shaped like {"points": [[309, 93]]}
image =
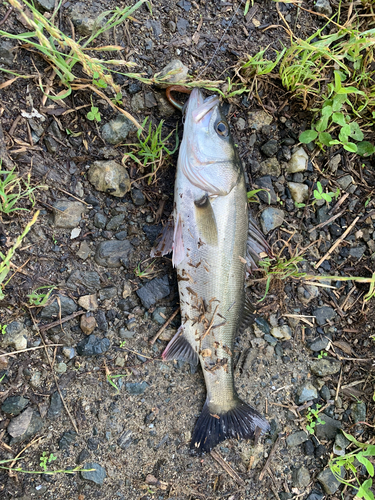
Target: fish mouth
{"points": [[200, 108]]}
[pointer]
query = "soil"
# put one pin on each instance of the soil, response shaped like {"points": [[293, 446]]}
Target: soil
{"points": [[140, 433]]}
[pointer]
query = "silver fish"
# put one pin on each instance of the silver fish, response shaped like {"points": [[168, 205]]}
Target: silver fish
{"points": [[210, 249]]}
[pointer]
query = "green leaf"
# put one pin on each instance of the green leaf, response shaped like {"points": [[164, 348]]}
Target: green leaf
{"points": [[338, 101], [366, 462], [356, 132], [90, 115], [325, 138], [364, 490], [339, 118], [319, 186], [308, 136], [365, 148], [351, 147], [352, 439], [322, 124], [327, 111]]}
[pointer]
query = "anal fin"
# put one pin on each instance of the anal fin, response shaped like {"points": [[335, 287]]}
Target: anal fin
{"points": [[180, 348], [256, 246]]}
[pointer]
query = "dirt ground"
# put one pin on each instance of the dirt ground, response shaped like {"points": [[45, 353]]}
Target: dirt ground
{"points": [[138, 436]]}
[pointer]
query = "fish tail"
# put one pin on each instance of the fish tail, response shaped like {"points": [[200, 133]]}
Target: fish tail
{"points": [[240, 422]]}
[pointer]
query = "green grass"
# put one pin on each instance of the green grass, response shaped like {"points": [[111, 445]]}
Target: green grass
{"points": [[38, 298], [14, 188], [312, 418]]}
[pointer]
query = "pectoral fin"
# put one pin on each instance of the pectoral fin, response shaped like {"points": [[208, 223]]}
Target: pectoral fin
{"points": [[206, 221], [178, 244], [164, 245], [256, 246]]}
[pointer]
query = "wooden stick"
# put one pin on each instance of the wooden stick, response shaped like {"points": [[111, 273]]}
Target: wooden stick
{"points": [[29, 349], [70, 194], [337, 243], [58, 322], [233, 474], [161, 330], [322, 224], [268, 461], [338, 204]]}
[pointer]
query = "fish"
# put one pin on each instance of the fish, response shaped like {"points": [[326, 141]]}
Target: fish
{"points": [[213, 243]]}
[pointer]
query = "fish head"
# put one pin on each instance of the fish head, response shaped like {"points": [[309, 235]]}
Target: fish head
{"points": [[207, 145]]}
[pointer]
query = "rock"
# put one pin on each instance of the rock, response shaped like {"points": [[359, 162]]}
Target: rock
{"points": [[325, 366], [108, 292], [138, 103], [113, 253], [150, 101], [68, 438], [182, 26], [241, 124], [109, 177], [102, 321], [301, 477], [69, 352], [56, 406], [3, 362], [320, 344], [87, 280], [271, 340], [269, 195], [136, 388], [60, 368], [341, 443], [329, 429], [174, 72], [357, 252], [6, 52], [87, 324], [159, 315], [100, 220], [328, 481], [83, 456], [298, 161], [271, 218], [306, 392], [324, 7], [67, 214], [85, 20], [60, 306], [153, 291], [35, 379], [258, 119], [88, 302], [270, 148], [152, 232], [51, 145], [309, 447], [282, 332], [346, 183], [138, 197], [270, 167], [93, 346], [299, 192], [315, 495], [307, 293], [334, 163], [115, 222], [358, 412], [164, 106], [325, 393], [24, 426], [322, 215], [84, 250], [125, 440], [324, 314], [96, 476], [15, 335], [14, 405], [296, 438]]}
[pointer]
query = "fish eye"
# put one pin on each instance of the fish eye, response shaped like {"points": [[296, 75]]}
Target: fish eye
{"points": [[222, 129]]}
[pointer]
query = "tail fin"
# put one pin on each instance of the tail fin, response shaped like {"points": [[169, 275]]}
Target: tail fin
{"points": [[239, 422]]}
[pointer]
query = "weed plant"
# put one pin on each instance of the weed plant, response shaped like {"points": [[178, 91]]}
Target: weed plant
{"points": [[12, 189]]}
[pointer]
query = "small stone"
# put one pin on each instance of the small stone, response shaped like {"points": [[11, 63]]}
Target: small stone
{"points": [[36, 379], [125, 440], [334, 163], [44, 5], [56, 406], [267, 195], [3, 362], [150, 101], [153, 291], [75, 233], [324, 314], [159, 315], [325, 393], [309, 447], [325, 366], [258, 119], [88, 302], [341, 443], [87, 324], [96, 476], [67, 214], [108, 292], [164, 106], [299, 192], [271, 340], [89, 281], [113, 253], [24, 426], [307, 293], [14, 405], [136, 388], [315, 495], [174, 72], [127, 290], [298, 162], [329, 482], [296, 438], [115, 222], [15, 335], [270, 167], [345, 182], [93, 346], [324, 7], [358, 412], [329, 429], [109, 177], [320, 344], [68, 438], [270, 148], [84, 250], [271, 218], [100, 220], [301, 477], [138, 197], [117, 130], [282, 332], [85, 22], [357, 252], [60, 368], [138, 103], [83, 456], [6, 52], [69, 352], [307, 392], [60, 306], [241, 124]]}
